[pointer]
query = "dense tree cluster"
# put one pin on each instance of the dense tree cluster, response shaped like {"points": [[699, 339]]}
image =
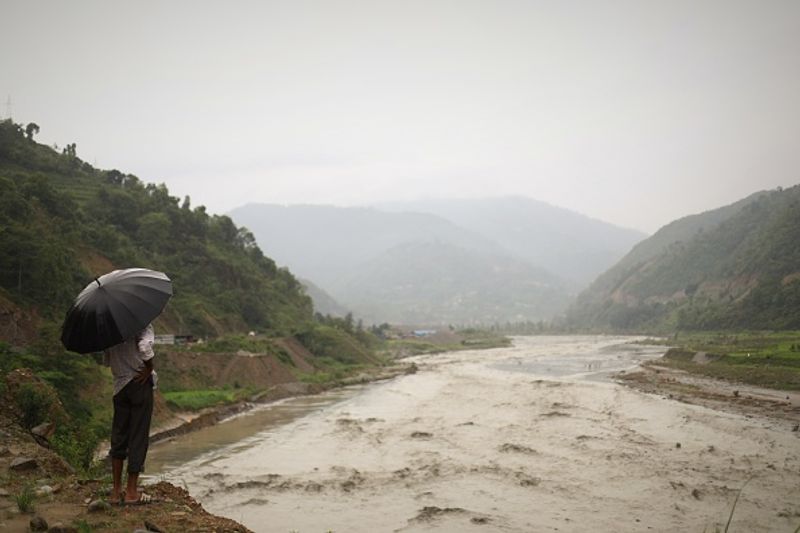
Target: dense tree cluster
{"points": [[60, 218]]}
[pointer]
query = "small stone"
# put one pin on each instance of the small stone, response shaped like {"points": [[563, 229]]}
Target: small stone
{"points": [[99, 506], [59, 527], [4, 493], [4, 451], [677, 444], [44, 490], [696, 494], [149, 526], [21, 464], [44, 430], [38, 523]]}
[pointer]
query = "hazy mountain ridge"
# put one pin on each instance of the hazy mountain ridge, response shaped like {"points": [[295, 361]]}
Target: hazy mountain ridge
{"points": [[436, 283], [327, 244], [575, 246], [324, 303], [416, 267], [733, 267]]}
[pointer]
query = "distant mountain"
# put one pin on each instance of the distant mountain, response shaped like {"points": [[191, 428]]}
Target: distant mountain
{"points": [[328, 244], [404, 267], [437, 283], [575, 246], [734, 267], [324, 303]]}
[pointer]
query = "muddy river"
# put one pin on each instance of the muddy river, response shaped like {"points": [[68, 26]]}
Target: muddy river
{"points": [[535, 437]]}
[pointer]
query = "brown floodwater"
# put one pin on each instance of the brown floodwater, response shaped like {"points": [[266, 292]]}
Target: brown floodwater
{"points": [[534, 437]]}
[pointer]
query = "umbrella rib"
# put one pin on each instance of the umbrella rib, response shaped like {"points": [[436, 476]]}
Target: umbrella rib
{"points": [[149, 303]]}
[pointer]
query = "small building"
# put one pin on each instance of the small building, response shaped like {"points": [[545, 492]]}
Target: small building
{"points": [[165, 339]]}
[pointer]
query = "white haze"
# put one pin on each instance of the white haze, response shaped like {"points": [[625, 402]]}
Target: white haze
{"points": [[628, 111]]}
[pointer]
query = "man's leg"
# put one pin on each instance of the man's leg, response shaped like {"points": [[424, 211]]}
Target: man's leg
{"points": [[119, 442], [141, 414], [116, 475]]}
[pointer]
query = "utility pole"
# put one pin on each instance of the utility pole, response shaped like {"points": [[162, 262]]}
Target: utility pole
{"points": [[8, 107]]}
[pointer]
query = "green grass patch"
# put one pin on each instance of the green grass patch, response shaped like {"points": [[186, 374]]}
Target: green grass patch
{"points": [[195, 400], [766, 359], [329, 371], [470, 339], [25, 499]]}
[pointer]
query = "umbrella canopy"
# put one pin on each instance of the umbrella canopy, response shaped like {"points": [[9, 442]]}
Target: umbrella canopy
{"points": [[113, 308]]}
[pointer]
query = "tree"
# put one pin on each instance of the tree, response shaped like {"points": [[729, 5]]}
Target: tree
{"points": [[31, 129]]}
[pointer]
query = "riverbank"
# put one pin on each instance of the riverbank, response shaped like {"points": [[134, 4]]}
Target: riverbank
{"points": [[181, 423], [56, 494], [747, 373], [38, 489], [188, 422], [731, 397]]}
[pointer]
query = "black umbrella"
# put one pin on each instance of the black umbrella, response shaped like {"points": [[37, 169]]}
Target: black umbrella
{"points": [[113, 308]]}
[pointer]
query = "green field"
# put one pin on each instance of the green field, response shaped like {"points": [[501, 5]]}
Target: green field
{"points": [[767, 359], [195, 400]]}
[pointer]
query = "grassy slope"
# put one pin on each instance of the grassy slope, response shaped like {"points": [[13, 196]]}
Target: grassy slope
{"points": [[766, 359]]}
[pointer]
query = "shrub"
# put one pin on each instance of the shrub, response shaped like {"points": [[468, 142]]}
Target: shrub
{"points": [[34, 405], [76, 445], [25, 499]]}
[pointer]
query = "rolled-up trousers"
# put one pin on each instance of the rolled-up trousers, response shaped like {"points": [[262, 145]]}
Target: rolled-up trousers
{"points": [[130, 430]]}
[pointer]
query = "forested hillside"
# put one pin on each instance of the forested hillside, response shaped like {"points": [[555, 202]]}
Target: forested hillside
{"points": [[62, 222], [737, 267]]}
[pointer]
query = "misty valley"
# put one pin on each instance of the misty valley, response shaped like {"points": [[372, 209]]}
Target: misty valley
{"points": [[372, 363]]}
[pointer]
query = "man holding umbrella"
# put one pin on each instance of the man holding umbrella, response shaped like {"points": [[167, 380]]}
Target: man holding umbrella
{"points": [[131, 365], [114, 314]]}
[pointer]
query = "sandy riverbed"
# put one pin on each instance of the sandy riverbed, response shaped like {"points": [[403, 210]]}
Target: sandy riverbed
{"points": [[529, 438]]}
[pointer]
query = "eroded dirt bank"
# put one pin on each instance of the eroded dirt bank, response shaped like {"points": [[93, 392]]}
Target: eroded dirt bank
{"points": [[528, 438]]}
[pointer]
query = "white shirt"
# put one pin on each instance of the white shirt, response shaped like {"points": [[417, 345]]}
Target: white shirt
{"points": [[127, 358]]}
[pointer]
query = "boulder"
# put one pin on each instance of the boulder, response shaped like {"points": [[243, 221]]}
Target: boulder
{"points": [[22, 464], [38, 523], [99, 506], [44, 430]]}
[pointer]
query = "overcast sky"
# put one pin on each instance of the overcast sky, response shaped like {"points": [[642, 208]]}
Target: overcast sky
{"points": [[635, 112]]}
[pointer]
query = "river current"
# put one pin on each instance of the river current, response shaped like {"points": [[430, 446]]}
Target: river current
{"points": [[534, 437]]}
